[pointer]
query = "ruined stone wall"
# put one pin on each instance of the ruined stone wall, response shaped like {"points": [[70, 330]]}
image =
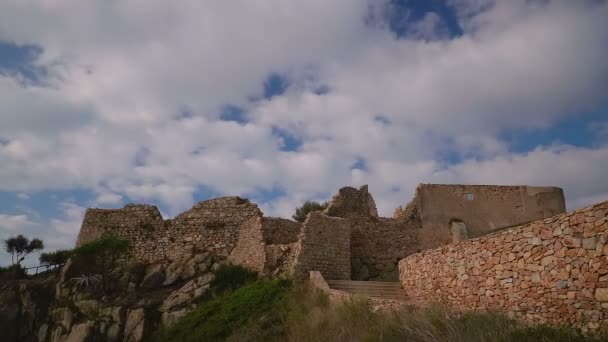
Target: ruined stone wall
{"points": [[250, 250], [210, 226], [553, 270], [140, 224], [350, 201], [324, 247], [213, 225], [378, 244], [482, 208], [280, 231]]}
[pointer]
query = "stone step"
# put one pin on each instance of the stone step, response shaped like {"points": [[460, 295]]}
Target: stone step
{"points": [[375, 289], [365, 282]]}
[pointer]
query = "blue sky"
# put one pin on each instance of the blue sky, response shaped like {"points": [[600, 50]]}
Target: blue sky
{"points": [[105, 105]]}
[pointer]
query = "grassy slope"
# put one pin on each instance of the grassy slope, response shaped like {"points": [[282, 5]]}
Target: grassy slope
{"points": [[274, 310]]}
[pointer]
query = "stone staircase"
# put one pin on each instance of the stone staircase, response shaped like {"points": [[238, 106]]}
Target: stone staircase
{"points": [[374, 289]]}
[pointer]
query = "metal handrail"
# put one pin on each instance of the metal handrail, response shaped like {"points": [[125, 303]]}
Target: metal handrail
{"points": [[47, 268]]}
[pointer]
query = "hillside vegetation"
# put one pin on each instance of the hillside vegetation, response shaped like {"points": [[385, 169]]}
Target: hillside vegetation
{"points": [[277, 310]]}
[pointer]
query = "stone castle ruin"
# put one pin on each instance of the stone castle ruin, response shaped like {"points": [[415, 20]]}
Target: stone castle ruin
{"points": [[348, 240], [512, 249]]}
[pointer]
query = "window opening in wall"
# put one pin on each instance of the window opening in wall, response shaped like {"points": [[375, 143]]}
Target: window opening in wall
{"points": [[470, 197]]}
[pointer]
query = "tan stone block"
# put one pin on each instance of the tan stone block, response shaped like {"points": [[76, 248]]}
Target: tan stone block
{"points": [[601, 294]]}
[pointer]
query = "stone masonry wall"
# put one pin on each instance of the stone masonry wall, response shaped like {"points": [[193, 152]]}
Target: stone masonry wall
{"points": [[209, 226], [324, 247], [378, 244], [250, 250], [139, 224], [553, 270], [280, 231], [482, 208]]}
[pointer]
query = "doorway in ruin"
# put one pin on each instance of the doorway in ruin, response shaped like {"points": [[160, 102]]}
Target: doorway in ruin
{"points": [[458, 230]]}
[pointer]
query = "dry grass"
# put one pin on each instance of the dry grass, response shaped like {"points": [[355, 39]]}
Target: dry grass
{"points": [[306, 316]]}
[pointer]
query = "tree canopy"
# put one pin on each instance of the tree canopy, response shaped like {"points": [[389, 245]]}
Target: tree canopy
{"points": [[306, 208], [19, 246]]}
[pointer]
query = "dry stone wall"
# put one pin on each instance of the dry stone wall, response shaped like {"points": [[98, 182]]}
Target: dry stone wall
{"points": [[278, 231], [250, 250], [549, 271], [211, 225], [324, 247], [378, 244]]}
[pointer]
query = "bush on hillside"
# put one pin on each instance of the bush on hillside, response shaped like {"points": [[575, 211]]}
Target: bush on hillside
{"points": [[306, 208], [55, 258], [231, 277], [217, 319], [102, 257], [12, 272]]}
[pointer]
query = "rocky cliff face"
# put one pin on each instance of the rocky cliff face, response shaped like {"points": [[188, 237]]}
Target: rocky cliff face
{"points": [[52, 308]]}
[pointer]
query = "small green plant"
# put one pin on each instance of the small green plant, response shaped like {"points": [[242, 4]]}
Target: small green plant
{"points": [[86, 281], [57, 257], [307, 207], [103, 255], [19, 247], [231, 277]]}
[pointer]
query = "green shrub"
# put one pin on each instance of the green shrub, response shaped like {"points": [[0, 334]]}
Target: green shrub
{"points": [[215, 320], [231, 277], [56, 257], [12, 272], [307, 207], [102, 257]]}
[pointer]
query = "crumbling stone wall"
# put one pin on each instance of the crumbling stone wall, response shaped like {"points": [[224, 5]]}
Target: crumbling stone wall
{"points": [[250, 250], [553, 270], [280, 231], [139, 224], [352, 202], [267, 245], [377, 244], [324, 247], [211, 225]]}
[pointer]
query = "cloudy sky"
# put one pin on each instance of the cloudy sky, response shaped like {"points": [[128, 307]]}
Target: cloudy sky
{"points": [[108, 102]]}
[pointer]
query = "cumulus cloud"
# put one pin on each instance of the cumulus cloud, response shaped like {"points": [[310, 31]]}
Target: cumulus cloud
{"points": [[14, 222], [130, 108]]}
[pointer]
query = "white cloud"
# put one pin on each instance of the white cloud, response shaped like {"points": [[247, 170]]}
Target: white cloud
{"points": [[121, 72], [15, 223]]}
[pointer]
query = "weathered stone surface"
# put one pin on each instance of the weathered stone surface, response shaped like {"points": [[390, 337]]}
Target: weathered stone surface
{"points": [[134, 326], [559, 281], [81, 333], [154, 278], [113, 332], [89, 308], [170, 318], [43, 332], [601, 294], [210, 226], [58, 335]]}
